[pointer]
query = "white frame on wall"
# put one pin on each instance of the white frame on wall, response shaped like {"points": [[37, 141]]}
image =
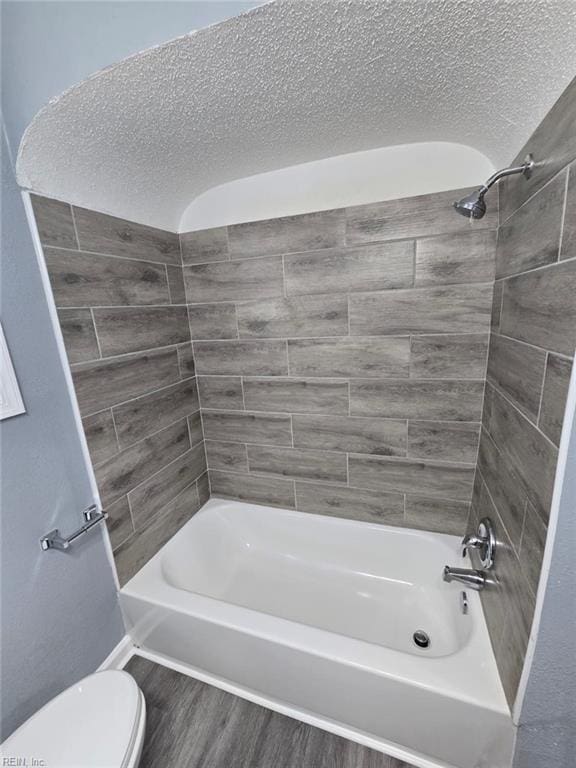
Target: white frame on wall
{"points": [[11, 403]]}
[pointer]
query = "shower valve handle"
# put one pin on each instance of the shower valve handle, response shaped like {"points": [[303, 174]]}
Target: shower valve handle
{"points": [[484, 540], [471, 541]]}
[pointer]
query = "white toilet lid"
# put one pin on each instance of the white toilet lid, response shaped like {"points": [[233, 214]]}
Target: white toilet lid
{"points": [[90, 725]]}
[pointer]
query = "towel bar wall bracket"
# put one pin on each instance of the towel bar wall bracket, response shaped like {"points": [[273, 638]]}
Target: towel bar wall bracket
{"points": [[54, 540]]}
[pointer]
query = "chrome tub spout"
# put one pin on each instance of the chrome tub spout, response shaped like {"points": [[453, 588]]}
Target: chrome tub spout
{"points": [[469, 576]]}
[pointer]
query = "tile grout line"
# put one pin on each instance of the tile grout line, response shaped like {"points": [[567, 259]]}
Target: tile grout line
{"points": [[246, 457], [131, 517], [563, 219], [190, 434], [124, 355], [332, 415], [228, 248], [348, 314], [370, 292], [330, 378], [235, 305], [482, 411], [181, 253], [541, 399], [333, 337], [197, 488], [266, 474], [258, 339], [284, 284], [501, 306], [200, 411], [116, 431], [85, 252], [448, 424], [134, 307], [170, 302], [408, 460], [73, 215], [191, 342], [523, 528], [95, 334]]}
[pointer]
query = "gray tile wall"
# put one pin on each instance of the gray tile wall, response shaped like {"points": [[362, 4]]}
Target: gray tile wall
{"points": [[121, 303], [532, 345], [341, 358]]}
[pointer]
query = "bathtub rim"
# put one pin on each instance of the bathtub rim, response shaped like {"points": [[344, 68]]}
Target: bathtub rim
{"points": [[150, 585]]}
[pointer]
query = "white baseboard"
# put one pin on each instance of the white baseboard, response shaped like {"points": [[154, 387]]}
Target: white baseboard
{"points": [[119, 655]]}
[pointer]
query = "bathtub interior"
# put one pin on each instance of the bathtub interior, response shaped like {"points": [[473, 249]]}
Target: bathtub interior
{"points": [[370, 582]]}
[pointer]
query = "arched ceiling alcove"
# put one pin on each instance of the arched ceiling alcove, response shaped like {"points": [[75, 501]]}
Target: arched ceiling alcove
{"points": [[295, 82]]}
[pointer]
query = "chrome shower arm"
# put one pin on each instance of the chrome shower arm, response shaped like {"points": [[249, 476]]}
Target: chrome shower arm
{"points": [[473, 206], [526, 168]]}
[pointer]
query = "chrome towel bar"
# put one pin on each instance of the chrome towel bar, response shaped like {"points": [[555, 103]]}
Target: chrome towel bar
{"points": [[53, 539]]}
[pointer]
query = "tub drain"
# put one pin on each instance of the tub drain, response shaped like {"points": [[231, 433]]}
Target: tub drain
{"points": [[421, 639]]}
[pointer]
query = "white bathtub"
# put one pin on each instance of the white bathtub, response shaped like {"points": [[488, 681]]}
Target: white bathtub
{"points": [[314, 617]]}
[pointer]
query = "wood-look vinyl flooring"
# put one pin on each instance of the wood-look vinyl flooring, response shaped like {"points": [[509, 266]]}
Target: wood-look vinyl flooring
{"points": [[193, 725]]}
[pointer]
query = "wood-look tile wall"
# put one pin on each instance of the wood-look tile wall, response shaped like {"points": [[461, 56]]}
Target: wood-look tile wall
{"points": [[119, 291], [530, 359], [341, 358]]}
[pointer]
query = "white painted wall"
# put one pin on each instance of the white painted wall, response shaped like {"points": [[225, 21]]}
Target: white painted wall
{"points": [[385, 173]]}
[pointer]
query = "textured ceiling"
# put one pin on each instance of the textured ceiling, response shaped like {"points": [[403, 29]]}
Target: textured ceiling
{"points": [[295, 81]]}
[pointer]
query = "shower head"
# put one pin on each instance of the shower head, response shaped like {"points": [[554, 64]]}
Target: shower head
{"points": [[473, 206]]}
